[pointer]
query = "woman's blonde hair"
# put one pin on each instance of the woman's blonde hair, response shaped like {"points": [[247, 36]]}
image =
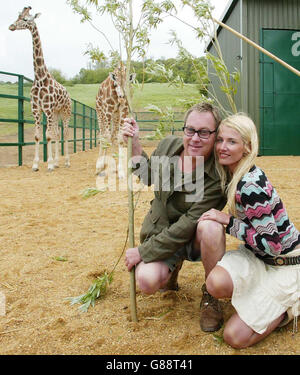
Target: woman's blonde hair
{"points": [[243, 124]]}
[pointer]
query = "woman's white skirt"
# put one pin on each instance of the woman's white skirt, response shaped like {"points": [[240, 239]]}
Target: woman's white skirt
{"points": [[261, 293]]}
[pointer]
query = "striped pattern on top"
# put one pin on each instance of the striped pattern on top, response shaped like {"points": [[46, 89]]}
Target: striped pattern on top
{"points": [[262, 221]]}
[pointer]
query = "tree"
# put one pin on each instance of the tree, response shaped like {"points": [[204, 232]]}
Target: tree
{"points": [[135, 38], [58, 75], [204, 31]]}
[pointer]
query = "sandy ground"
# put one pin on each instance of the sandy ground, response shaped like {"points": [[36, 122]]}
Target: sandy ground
{"points": [[44, 218]]}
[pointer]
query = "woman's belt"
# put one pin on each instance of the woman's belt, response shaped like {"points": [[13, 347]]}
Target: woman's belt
{"points": [[282, 261]]}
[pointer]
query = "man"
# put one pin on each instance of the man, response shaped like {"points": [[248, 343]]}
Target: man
{"points": [[170, 232]]}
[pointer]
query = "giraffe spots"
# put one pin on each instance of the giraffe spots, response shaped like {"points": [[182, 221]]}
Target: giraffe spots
{"points": [[39, 61], [34, 106], [110, 102], [40, 73], [108, 92], [34, 91], [43, 92]]}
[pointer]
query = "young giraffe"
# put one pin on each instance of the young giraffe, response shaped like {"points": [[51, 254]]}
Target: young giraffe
{"points": [[47, 95], [112, 109]]}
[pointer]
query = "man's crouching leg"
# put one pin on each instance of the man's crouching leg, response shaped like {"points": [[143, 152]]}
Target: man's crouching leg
{"points": [[210, 237], [151, 277]]}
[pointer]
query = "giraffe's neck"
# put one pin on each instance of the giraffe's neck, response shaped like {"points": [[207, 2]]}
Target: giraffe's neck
{"points": [[40, 69]]}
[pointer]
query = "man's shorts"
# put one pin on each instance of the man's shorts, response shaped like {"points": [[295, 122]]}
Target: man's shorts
{"points": [[187, 252]]}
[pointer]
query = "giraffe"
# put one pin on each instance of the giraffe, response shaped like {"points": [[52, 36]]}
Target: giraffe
{"points": [[47, 95], [112, 108]]}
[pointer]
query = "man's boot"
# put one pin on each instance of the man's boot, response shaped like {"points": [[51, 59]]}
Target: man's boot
{"points": [[172, 284], [211, 315]]}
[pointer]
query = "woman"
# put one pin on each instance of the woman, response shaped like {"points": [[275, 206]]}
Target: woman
{"points": [[264, 294]]}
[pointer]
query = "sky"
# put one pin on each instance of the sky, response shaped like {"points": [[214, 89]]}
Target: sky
{"points": [[65, 39]]}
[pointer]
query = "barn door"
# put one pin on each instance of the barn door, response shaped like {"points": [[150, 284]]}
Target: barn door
{"points": [[280, 94]]}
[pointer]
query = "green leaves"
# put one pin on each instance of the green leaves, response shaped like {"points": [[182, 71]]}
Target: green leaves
{"points": [[78, 8], [156, 69], [166, 120], [61, 258], [97, 290], [89, 192]]}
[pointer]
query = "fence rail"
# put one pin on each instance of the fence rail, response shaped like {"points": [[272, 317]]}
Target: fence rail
{"points": [[83, 117]]}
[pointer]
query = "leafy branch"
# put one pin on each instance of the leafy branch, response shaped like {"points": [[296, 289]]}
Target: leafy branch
{"points": [[205, 31]]}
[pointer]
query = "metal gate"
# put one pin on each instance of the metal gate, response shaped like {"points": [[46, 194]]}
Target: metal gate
{"points": [[280, 94]]}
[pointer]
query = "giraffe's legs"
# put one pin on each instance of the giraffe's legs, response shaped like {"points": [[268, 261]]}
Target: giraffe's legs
{"points": [[49, 135], [121, 160], [105, 139], [116, 138], [56, 137], [101, 161], [35, 165]]}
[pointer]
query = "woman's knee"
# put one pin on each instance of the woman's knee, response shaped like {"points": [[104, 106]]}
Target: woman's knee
{"points": [[219, 283], [233, 338], [237, 334]]}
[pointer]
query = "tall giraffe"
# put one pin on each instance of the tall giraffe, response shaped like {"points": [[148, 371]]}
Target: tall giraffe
{"points": [[112, 108], [47, 95]]}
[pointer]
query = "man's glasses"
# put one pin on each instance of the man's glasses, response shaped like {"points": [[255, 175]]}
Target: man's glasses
{"points": [[202, 133]]}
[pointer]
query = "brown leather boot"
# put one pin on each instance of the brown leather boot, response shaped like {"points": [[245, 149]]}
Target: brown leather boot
{"points": [[172, 284], [211, 315]]}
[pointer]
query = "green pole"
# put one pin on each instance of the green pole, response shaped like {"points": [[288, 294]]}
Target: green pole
{"points": [[20, 118], [75, 123], [91, 128], [83, 128], [62, 138], [96, 126]]}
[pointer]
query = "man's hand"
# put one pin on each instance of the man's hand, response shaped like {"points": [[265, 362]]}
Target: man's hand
{"points": [[132, 257], [130, 129], [213, 214]]}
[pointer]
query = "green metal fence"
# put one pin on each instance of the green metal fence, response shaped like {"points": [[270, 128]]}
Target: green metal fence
{"points": [[147, 120], [84, 118]]}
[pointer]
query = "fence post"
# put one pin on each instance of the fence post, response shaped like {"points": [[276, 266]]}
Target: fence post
{"points": [[83, 128], [62, 138], [20, 118], [75, 123], [91, 128], [96, 122]]}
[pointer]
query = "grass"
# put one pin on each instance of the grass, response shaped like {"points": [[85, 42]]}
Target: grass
{"points": [[159, 94], [162, 95]]}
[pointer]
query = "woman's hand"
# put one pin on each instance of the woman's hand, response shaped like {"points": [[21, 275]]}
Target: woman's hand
{"points": [[213, 214]]}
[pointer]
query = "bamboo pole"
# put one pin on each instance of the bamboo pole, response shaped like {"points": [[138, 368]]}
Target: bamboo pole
{"points": [[131, 233], [133, 309], [261, 49]]}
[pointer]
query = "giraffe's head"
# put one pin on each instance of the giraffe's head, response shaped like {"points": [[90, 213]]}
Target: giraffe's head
{"points": [[118, 77], [24, 21]]}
